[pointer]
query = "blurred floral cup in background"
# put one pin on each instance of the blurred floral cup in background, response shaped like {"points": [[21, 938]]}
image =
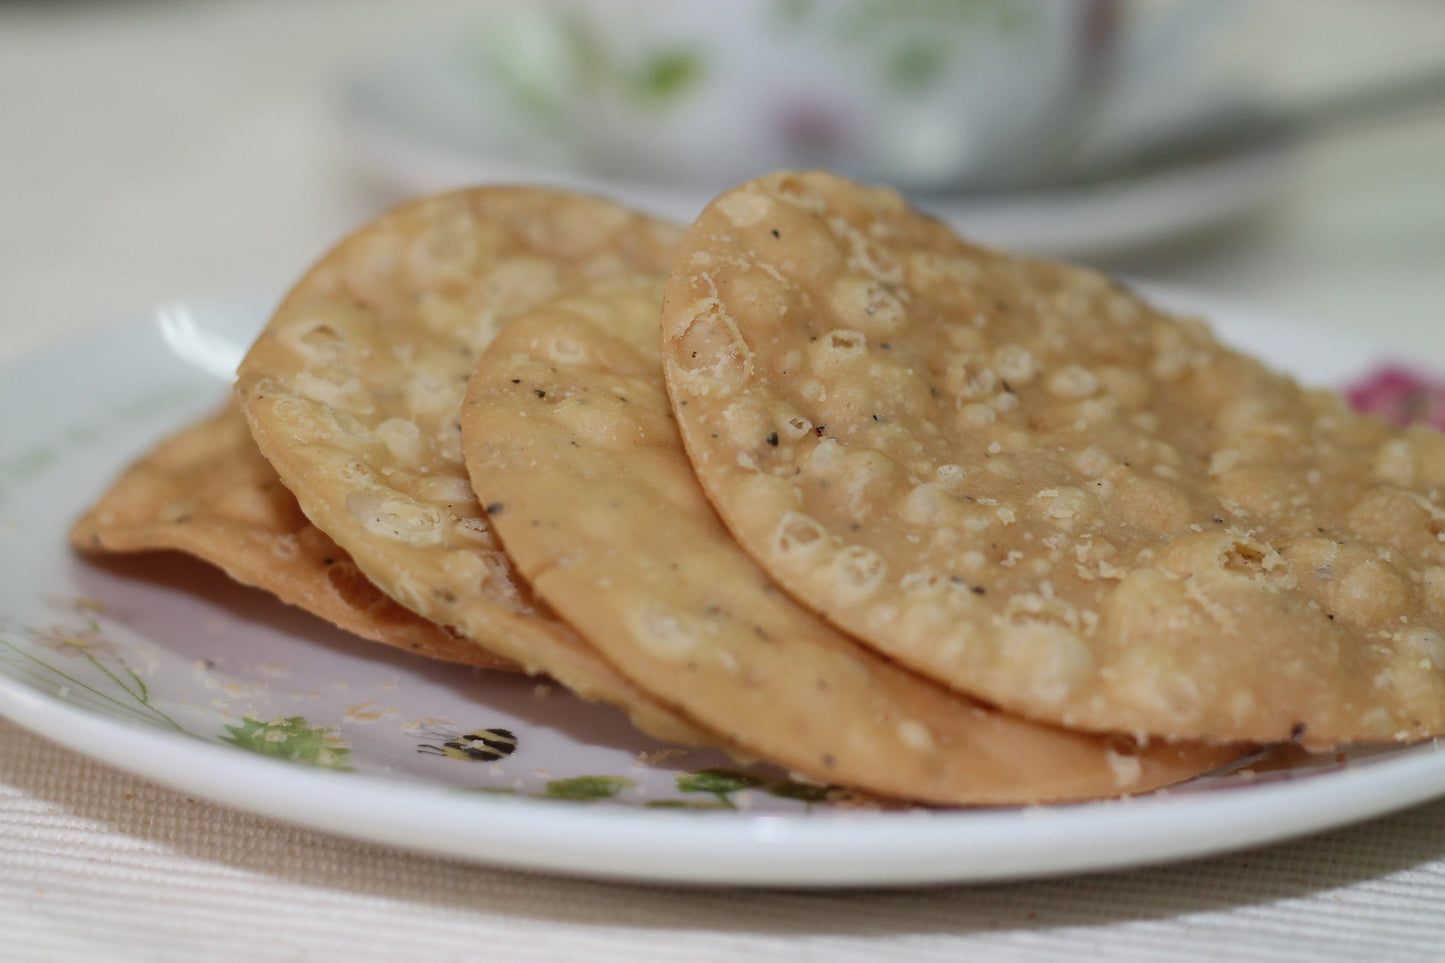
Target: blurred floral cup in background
{"points": [[929, 95]]}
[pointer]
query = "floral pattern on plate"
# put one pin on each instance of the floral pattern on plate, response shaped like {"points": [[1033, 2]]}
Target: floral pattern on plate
{"points": [[163, 666]]}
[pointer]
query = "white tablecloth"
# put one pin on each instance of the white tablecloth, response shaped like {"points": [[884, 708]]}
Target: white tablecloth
{"points": [[96, 865], [152, 150]]}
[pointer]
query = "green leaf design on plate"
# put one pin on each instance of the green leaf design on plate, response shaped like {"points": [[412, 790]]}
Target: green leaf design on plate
{"points": [[291, 739], [586, 788], [487, 790], [808, 792], [688, 804], [721, 783], [113, 686]]}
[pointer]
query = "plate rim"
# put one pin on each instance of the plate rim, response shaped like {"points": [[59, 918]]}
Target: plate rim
{"points": [[732, 848], [729, 848]]}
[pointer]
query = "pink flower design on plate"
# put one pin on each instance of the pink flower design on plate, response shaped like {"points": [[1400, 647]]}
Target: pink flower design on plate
{"points": [[1400, 395]]}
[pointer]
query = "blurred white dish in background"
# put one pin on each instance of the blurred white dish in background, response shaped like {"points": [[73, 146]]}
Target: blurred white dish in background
{"points": [[1071, 223], [928, 95], [922, 94], [665, 105]]}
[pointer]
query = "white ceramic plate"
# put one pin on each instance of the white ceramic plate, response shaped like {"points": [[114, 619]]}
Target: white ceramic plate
{"points": [[430, 123], [161, 666]]}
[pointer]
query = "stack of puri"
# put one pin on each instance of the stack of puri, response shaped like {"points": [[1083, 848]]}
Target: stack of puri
{"points": [[820, 483]]}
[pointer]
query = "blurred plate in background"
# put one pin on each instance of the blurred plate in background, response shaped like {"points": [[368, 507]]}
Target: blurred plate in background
{"points": [[665, 106]]}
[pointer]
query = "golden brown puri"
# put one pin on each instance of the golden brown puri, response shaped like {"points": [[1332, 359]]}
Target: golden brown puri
{"points": [[206, 491], [571, 443], [1024, 481], [354, 390]]}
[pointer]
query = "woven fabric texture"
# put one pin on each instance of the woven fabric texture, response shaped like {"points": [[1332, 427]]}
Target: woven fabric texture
{"points": [[104, 866]]}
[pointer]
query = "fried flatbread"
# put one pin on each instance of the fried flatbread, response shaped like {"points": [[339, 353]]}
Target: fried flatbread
{"points": [[569, 439], [207, 491], [1024, 481], [354, 390]]}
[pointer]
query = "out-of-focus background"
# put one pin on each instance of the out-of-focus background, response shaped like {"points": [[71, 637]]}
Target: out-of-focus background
{"points": [[1276, 151]]}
